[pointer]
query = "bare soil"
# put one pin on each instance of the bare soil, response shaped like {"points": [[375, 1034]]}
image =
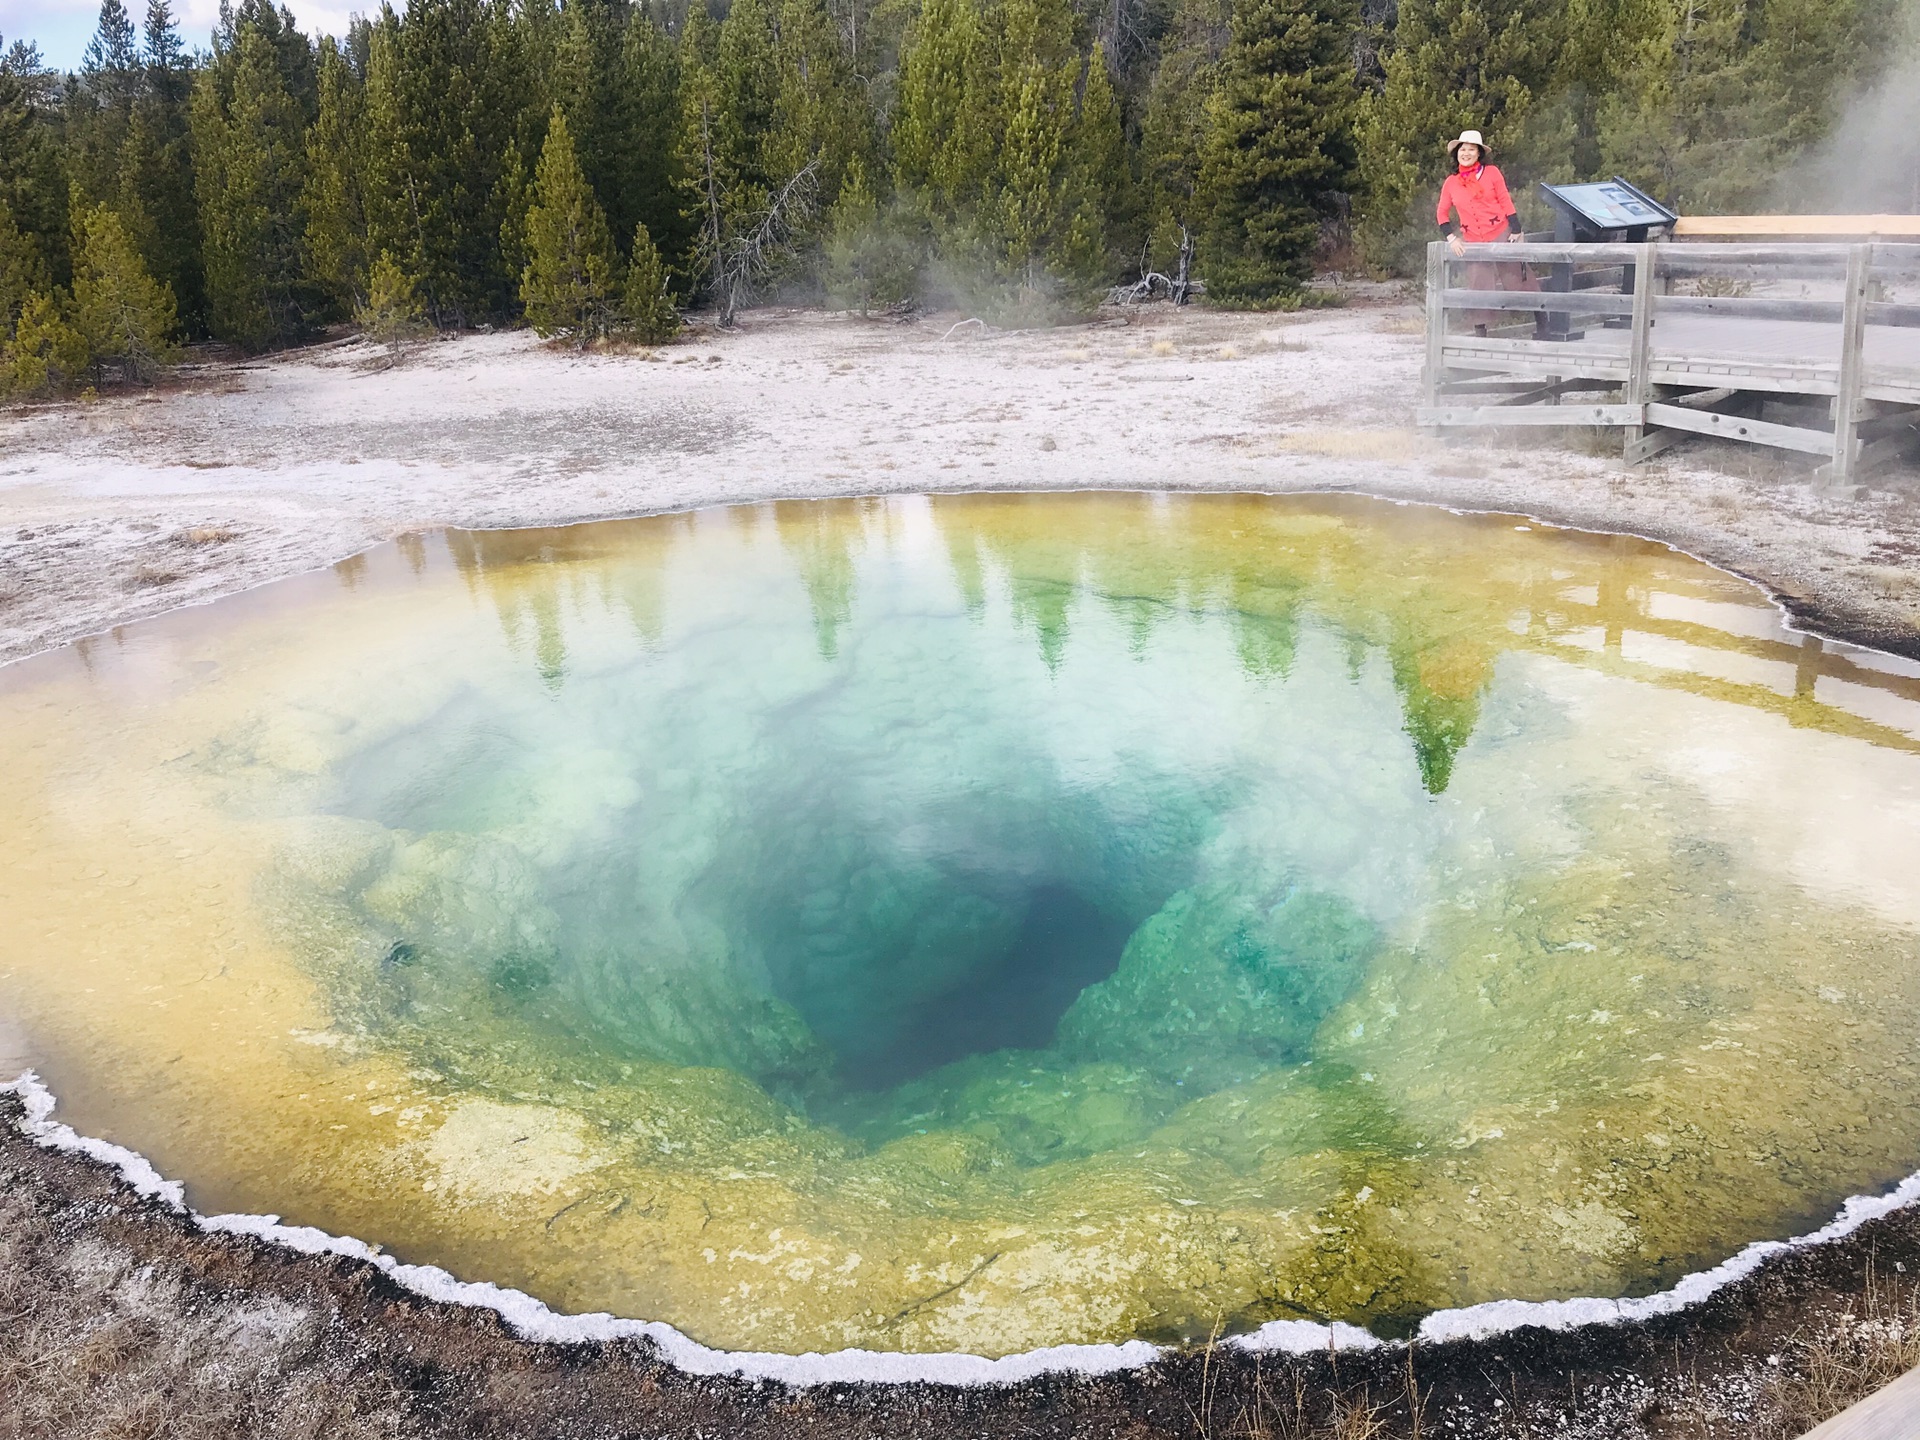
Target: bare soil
{"points": [[119, 1318]]}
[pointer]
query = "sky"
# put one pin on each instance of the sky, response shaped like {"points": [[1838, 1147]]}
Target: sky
{"points": [[61, 28]]}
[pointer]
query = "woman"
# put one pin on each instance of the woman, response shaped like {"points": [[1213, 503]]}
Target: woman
{"points": [[1476, 193]]}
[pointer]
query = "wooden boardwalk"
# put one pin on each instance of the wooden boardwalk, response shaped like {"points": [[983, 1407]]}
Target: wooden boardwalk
{"points": [[1889, 1414], [1677, 343]]}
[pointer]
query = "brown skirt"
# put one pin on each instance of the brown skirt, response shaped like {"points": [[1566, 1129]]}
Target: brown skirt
{"points": [[1498, 275]]}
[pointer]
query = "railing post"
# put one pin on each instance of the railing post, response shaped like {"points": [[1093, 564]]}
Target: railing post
{"points": [[1640, 353], [1435, 373], [1853, 370]]}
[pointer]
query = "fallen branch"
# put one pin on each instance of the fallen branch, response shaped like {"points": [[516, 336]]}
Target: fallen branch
{"points": [[970, 320]]}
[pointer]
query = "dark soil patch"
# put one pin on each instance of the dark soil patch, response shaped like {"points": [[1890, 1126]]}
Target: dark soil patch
{"points": [[118, 1317]]}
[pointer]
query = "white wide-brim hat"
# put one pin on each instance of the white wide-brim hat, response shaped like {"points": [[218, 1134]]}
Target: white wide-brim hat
{"points": [[1467, 137]]}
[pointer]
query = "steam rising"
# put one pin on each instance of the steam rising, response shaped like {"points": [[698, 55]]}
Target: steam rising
{"points": [[1870, 163]]}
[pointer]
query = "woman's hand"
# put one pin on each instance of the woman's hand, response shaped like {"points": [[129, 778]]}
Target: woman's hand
{"points": [[1514, 237], [1456, 245]]}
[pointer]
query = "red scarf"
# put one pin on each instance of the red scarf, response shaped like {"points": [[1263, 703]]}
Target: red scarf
{"points": [[1474, 173]]}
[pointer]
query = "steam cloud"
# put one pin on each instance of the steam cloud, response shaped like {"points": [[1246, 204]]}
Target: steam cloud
{"points": [[1870, 163]]}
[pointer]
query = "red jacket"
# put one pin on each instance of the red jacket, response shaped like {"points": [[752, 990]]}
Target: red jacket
{"points": [[1480, 196]]}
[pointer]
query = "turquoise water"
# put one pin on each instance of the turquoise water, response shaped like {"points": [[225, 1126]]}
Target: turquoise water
{"points": [[985, 922]]}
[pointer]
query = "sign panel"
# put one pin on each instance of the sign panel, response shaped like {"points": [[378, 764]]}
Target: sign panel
{"points": [[1610, 205]]}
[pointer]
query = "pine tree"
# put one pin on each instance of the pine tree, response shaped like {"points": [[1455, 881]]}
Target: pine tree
{"points": [[165, 54], [946, 120], [1453, 65], [869, 262], [747, 76], [647, 310], [155, 181], [589, 86], [821, 113], [1048, 223], [1279, 144], [1035, 183], [22, 271], [705, 176], [293, 56], [1106, 164], [46, 353], [33, 186], [114, 49], [447, 91], [118, 309], [1717, 96], [615, 75], [653, 185], [390, 314], [249, 139], [569, 284], [334, 199], [1173, 132], [100, 104]]}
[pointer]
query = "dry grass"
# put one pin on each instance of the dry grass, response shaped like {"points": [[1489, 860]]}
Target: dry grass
{"points": [[1836, 1365], [151, 577], [1297, 1411], [1720, 287], [1351, 444], [98, 1349]]}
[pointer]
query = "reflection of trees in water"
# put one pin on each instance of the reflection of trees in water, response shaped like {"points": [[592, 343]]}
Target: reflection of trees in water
{"points": [[825, 538], [1439, 597], [1440, 688], [534, 578], [1253, 563]]}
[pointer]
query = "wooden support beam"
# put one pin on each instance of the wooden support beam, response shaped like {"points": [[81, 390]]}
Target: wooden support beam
{"points": [[1435, 374], [1651, 443], [1512, 386], [1578, 302], [1883, 425], [1739, 427], [1876, 454], [1881, 312], [1702, 399], [1450, 415], [1640, 346], [1744, 307], [1548, 393], [1838, 472]]}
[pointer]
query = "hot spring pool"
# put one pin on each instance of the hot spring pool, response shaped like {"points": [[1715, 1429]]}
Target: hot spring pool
{"points": [[980, 923]]}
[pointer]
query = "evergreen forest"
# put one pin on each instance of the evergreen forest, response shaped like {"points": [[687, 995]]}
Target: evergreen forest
{"points": [[595, 168]]}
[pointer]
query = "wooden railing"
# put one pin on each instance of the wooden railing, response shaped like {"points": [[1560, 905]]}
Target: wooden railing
{"points": [[1618, 319]]}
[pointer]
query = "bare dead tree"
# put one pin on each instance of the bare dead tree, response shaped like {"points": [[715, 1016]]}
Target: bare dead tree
{"points": [[1178, 287], [741, 261], [1123, 30]]}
